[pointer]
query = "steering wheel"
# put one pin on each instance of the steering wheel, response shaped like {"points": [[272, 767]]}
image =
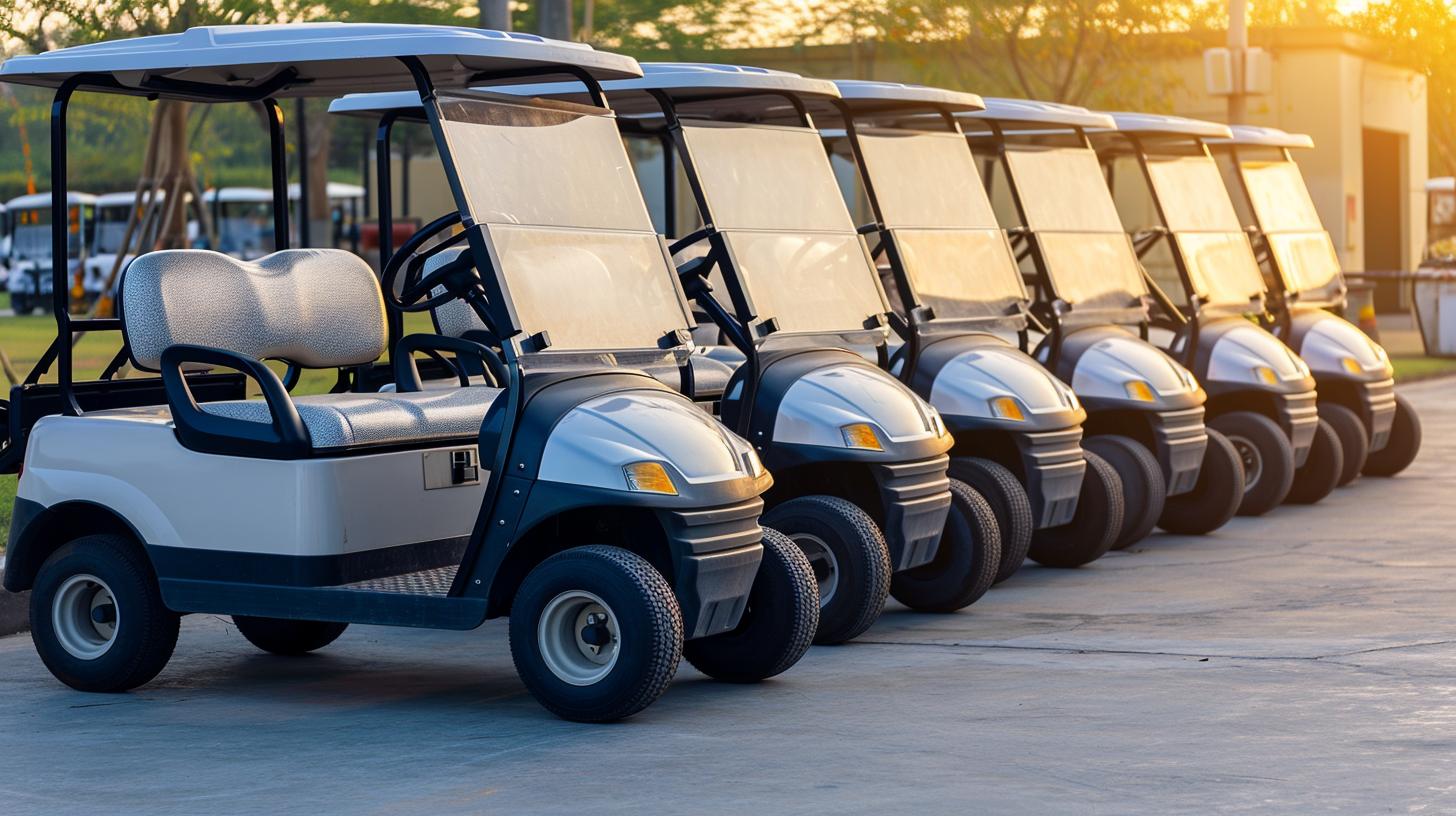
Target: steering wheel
{"points": [[456, 278], [688, 240]]}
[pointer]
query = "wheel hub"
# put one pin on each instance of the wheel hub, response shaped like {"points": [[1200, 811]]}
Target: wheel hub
{"points": [[579, 637], [85, 617], [1252, 460], [825, 565]]}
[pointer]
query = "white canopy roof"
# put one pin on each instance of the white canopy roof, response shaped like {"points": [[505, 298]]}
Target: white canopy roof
{"points": [[38, 200], [868, 95], [250, 194], [330, 58], [1441, 184], [125, 197], [336, 189], [1265, 137], [1032, 112], [1161, 124]]}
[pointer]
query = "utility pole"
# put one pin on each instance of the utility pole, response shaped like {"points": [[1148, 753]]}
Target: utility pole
{"points": [[495, 14], [1238, 44], [554, 19]]}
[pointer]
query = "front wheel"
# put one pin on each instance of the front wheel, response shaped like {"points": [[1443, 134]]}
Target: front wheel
{"points": [[1094, 528], [965, 562], [20, 304], [778, 625], [1320, 474], [290, 638], [1008, 500], [1354, 439], [596, 633], [1266, 455], [97, 617], [1215, 497], [1144, 490], [849, 556], [1404, 444]]}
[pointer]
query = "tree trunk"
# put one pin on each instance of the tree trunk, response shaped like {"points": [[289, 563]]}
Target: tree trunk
{"points": [[321, 225], [495, 14], [554, 19]]}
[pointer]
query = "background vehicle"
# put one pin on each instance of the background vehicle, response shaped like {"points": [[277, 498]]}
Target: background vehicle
{"points": [[243, 218], [959, 305], [114, 211], [346, 203], [604, 512], [5, 229], [32, 247], [1302, 269], [1261, 395], [1089, 299]]}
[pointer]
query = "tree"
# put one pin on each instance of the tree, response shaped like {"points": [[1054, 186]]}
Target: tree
{"points": [[1422, 33]]}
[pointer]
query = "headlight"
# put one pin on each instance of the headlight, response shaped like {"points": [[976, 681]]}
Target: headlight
{"points": [[937, 424], [1352, 365], [649, 477], [1139, 390], [1266, 375], [861, 435], [1007, 408]]}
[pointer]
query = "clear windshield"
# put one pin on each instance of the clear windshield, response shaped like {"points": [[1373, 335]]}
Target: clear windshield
{"points": [[932, 200], [1066, 203], [1303, 252], [1197, 209], [110, 229], [33, 234], [773, 196], [245, 228], [555, 191]]}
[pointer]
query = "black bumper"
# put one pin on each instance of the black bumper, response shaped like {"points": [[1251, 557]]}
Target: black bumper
{"points": [[1377, 408], [1054, 466], [716, 552], [1298, 415], [1179, 442], [916, 499]]}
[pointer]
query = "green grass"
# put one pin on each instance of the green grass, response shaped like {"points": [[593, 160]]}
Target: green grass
{"points": [[1410, 369]]}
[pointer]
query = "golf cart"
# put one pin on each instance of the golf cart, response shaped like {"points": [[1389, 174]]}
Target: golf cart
{"points": [[1198, 264], [243, 218], [114, 211], [602, 511], [959, 305], [1307, 287], [32, 247], [4, 245], [1089, 302], [345, 211], [857, 458]]}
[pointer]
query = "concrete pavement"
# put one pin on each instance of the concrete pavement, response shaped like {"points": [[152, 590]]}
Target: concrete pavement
{"points": [[1301, 662]]}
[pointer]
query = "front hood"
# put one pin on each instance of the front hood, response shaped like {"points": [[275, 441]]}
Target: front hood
{"points": [[1107, 367], [594, 441], [1329, 344], [966, 385], [820, 403], [1240, 353]]}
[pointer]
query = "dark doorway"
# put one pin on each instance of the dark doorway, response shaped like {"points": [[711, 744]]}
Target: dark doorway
{"points": [[1384, 206]]}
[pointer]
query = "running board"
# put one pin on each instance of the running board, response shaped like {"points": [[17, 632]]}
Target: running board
{"points": [[365, 602]]}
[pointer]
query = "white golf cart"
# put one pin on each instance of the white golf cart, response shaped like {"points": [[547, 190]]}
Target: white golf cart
{"points": [[114, 211], [599, 509], [32, 248], [244, 219], [1090, 300], [1307, 287], [345, 211]]}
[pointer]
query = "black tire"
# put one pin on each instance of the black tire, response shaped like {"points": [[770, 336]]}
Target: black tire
{"points": [[1266, 455], [1144, 490], [143, 631], [850, 558], [1094, 528], [1404, 444], [1007, 497], [965, 562], [778, 625], [20, 304], [289, 638], [1354, 439], [1320, 474], [1215, 497], [648, 639]]}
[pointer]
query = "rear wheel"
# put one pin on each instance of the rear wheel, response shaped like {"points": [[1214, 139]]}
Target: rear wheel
{"points": [[596, 633], [20, 304], [1007, 497], [965, 562], [1404, 444], [1266, 455], [1144, 491], [288, 637], [1354, 439], [1320, 473], [1093, 529], [1215, 498], [850, 559], [778, 625], [97, 617]]}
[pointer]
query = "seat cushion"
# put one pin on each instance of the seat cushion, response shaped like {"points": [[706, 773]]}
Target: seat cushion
{"points": [[385, 418]]}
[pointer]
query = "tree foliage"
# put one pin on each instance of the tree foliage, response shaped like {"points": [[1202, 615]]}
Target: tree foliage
{"points": [[1422, 33]]}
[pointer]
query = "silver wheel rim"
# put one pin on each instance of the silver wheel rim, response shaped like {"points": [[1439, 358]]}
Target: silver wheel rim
{"points": [[1251, 459], [825, 565], [85, 617], [579, 637]]}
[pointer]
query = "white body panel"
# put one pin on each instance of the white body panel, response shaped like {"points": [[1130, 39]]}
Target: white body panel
{"points": [[1104, 370], [966, 385], [1238, 352], [819, 404], [175, 497], [595, 440], [1329, 343]]}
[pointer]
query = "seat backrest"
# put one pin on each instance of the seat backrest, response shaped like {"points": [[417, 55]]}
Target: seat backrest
{"points": [[316, 308]]}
